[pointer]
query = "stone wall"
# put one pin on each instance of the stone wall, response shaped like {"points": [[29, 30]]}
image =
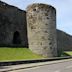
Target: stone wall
{"points": [[41, 26], [41, 29], [12, 20]]}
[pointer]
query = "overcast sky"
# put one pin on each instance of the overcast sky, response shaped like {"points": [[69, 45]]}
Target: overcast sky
{"points": [[63, 7]]}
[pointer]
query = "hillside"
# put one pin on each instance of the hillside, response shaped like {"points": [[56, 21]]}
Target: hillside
{"points": [[7, 54]]}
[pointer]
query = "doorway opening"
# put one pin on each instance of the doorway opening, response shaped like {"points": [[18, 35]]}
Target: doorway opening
{"points": [[16, 38]]}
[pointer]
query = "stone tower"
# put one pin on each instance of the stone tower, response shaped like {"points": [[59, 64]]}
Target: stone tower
{"points": [[41, 27]]}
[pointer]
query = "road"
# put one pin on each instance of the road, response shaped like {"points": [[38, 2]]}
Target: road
{"points": [[55, 67]]}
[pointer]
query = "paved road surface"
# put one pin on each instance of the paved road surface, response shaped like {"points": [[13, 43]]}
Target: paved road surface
{"points": [[59, 67]]}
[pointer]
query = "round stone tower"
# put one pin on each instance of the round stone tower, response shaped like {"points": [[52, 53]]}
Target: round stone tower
{"points": [[41, 27]]}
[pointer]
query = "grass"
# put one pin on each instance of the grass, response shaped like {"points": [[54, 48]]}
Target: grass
{"points": [[7, 54], [68, 53]]}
